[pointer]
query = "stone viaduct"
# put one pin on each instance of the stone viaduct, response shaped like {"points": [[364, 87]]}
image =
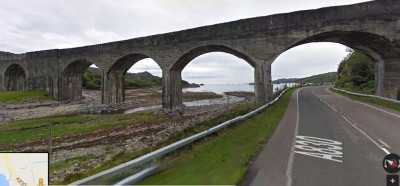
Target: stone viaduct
{"points": [[371, 27]]}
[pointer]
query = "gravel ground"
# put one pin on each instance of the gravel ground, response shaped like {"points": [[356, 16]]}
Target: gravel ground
{"points": [[142, 97]]}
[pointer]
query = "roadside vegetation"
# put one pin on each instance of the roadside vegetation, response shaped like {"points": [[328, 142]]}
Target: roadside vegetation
{"points": [[381, 102], [356, 73], [37, 123], [122, 157], [225, 159], [62, 165], [22, 131], [24, 96]]}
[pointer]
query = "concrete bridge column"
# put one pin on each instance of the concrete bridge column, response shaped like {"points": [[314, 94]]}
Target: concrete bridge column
{"points": [[1, 83], [379, 77], [389, 79], [113, 87], [71, 87], [172, 88], [70, 81], [262, 83]]}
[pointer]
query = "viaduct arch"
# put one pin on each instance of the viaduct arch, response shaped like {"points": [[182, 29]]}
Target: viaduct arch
{"points": [[14, 78], [378, 48], [371, 27], [172, 77], [113, 90]]}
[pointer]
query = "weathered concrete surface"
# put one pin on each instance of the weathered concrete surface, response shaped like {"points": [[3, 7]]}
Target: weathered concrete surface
{"points": [[371, 27], [14, 78], [113, 89], [71, 80]]}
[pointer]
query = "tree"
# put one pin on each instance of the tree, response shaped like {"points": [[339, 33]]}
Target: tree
{"points": [[356, 73]]}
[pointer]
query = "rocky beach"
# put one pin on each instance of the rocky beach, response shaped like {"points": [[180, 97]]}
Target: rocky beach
{"points": [[77, 152]]}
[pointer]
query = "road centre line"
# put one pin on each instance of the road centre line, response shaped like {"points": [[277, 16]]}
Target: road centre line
{"points": [[347, 119], [312, 91], [328, 104], [383, 143], [365, 134]]}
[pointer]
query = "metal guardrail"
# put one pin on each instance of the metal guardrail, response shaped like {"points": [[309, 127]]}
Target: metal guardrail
{"points": [[366, 95], [162, 151], [138, 176]]}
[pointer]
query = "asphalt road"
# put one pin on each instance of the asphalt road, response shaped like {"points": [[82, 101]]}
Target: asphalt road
{"points": [[327, 139]]}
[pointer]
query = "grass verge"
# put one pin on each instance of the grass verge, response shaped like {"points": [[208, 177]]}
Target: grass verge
{"points": [[35, 123], [188, 131], [381, 102], [23, 96], [62, 165], [37, 129], [223, 160]]}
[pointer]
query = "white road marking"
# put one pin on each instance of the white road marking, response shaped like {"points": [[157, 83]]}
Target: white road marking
{"points": [[312, 91], [319, 148], [328, 104], [383, 143], [370, 106], [365, 134], [291, 156], [355, 126], [321, 155]]}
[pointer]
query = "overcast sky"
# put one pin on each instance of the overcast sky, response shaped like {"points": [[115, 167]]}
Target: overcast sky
{"points": [[28, 25]]}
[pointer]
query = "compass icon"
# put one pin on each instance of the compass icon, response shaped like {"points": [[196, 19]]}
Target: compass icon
{"points": [[391, 163]]}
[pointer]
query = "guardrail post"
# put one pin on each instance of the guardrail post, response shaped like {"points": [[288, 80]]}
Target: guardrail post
{"points": [[154, 162]]}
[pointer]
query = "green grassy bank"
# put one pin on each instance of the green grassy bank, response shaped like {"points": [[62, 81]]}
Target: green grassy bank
{"points": [[381, 102], [122, 157], [224, 159], [22, 131], [23, 96]]}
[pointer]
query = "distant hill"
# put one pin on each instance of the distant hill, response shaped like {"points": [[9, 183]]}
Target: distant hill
{"points": [[329, 77], [285, 80], [2, 52], [128, 75], [143, 75], [92, 80]]}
